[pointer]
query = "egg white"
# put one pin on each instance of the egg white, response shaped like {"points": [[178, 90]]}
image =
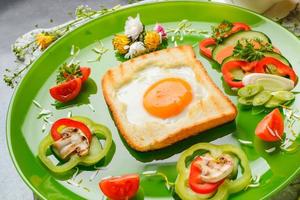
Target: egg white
{"points": [[131, 94]]}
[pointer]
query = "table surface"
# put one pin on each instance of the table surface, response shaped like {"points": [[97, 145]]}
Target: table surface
{"points": [[16, 18]]}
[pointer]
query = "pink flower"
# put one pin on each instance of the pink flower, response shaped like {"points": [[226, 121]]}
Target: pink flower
{"points": [[160, 29]]}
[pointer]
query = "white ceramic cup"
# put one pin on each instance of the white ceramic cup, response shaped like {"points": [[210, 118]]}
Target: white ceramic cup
{"points": [[259, 6]]}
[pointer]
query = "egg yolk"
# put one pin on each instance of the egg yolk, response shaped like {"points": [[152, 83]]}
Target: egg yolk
{"points": [[167, 97]]}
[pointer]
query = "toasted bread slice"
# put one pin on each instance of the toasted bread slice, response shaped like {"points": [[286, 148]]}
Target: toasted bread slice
{"points": [[212, 110]]}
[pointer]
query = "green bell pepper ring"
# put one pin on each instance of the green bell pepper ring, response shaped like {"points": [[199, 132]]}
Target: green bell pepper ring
{"points": [[96, 152], [227, 187]]}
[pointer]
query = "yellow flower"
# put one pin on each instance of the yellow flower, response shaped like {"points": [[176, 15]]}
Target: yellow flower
{"points": [[43, 40], [119, 43], [152, 40]]}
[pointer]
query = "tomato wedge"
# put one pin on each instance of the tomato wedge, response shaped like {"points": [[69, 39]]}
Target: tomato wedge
{"points": [[239, 26], [120, 188], [228, 67], [196, 184], [271, 127], [282, 69], [204, 46], [86, 71], [66, 91], [69, 123]]}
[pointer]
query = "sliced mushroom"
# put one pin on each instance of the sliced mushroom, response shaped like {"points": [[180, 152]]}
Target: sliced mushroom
{"points": [[215, 169], [72, 141]]}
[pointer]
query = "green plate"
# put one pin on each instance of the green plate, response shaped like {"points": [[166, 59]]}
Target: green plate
{"points": [[24, 130]]}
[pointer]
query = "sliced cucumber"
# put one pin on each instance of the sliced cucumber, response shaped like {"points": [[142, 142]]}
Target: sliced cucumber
{"points": [[250, 90], [284, 95], [238, 74], [245, 101], [266, 54], [231, 58], [274, 102], [232, 40], [261, 98]]}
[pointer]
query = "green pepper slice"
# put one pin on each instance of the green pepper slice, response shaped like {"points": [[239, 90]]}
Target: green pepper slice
{"points": [[227, 187], [96, 151]]}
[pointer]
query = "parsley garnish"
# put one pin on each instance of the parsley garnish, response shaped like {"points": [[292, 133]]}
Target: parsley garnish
{"points": [[251, 50], [221, 31], [68, 71]]}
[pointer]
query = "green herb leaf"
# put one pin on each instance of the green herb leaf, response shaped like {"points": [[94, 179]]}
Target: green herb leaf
{"points": [[246, 50], [84, 11], [221, 31], [68, 71]]}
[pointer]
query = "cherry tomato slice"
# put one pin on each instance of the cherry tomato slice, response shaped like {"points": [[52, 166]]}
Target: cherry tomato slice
{"points": [[196, 184], [204, 46], [239, 26], [120, 188], [283, 69], [227, 75], [86, 71], [271, 127], [66, 91], [69, 123]]}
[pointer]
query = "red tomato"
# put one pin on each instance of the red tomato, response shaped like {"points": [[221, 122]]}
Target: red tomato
{"points": [[120, 188], [86, 71], [196, 184], [204, 46], [69, 123], [271, 127], [239, 26], [67, 90]]}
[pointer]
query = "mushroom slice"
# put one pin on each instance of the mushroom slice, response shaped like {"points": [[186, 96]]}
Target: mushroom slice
{"points": [[215, 169], [72, 141]]}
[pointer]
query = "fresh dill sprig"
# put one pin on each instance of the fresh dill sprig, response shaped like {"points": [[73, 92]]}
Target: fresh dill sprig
{"points": [[84, 11], [82, 15], [99, 50], [183, 28]]}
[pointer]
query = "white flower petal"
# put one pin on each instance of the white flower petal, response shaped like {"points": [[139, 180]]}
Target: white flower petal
{"points": [[135, 49], [133, 27]]}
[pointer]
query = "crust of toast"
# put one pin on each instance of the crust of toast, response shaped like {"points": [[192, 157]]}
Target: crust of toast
{"points": [[213, 110]]}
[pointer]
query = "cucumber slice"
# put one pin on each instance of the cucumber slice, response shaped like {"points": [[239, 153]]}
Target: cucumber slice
{"points": [[231, 58], [245, 101], [262, 98], [274, 102], [232, 40], [284, 95], [238, 74], [249, 90], [267, 54]]}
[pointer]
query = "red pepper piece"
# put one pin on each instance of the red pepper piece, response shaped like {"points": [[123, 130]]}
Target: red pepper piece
{"points": [[69, 123], [283, 69]]}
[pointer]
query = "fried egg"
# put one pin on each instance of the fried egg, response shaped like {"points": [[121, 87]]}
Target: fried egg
{"points": [[162, 95]]}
